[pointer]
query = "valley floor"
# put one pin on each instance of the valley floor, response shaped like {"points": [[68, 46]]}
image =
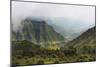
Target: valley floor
{"points": [[50, 57]]}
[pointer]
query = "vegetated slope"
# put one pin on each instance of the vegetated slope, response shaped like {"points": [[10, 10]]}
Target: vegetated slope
{"points": [[85, 43], [38, 32], [28, 51]]}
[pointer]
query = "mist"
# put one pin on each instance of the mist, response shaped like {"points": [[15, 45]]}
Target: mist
{"points": [[64, 18]]}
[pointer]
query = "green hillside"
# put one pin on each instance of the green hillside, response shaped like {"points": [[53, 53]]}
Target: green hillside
{"points": [[38, 43], [38, 32], [85, 42]]}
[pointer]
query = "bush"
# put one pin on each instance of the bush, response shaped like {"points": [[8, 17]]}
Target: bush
{"points": [[40, 62], [70, 51]]}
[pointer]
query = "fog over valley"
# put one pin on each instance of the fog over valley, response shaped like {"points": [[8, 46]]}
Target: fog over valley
{"points": [[68, 20]]}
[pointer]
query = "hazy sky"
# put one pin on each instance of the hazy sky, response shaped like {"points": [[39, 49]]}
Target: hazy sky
{"points": [[24, 9], [68, 17]]}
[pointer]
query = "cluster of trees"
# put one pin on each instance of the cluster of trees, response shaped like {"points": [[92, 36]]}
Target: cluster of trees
{"points": [[30, 53]]}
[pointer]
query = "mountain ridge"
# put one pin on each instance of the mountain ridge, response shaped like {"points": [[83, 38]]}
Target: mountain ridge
{"points": [[85, 43], [38, 32]]}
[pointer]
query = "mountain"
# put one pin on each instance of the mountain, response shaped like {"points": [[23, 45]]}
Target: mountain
{"points": [[28, 50], [85, 42], [38, 32], [68, 27]]}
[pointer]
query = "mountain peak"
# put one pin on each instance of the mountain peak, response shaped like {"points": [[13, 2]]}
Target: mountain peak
{"points": [[38, 32]]}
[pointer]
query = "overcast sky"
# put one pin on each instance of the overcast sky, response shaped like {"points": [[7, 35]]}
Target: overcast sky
{"points": [[72, 16], [24, 9]]}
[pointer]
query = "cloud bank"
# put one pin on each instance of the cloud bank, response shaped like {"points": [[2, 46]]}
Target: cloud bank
{"points": [[70, 18]]}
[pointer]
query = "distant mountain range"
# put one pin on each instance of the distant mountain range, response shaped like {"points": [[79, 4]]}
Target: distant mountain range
{"points": [[41, 33]]}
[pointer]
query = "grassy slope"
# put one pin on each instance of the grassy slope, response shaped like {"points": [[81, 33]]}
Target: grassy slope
{"points": [[79, 50], [86, 41]]}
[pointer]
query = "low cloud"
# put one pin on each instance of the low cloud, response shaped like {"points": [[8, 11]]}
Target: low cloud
{"points": [[82, 15]]}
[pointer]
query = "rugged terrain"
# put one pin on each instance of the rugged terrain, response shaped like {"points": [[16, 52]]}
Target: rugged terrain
{"points": [[38, 43]]}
